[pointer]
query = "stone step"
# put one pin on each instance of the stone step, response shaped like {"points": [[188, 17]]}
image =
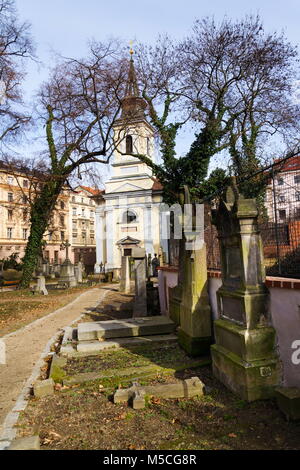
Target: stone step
{"points": [[146, 326], [98, 346]]}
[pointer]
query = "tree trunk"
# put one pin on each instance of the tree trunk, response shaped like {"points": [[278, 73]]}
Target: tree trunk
{"points": [[40, 214]]}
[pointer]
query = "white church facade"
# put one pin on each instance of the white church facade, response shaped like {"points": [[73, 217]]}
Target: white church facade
{"points": [[128, 210]]}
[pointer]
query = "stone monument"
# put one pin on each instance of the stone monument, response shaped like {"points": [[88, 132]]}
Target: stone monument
{"points": [[67, 274], [125, 275], [244, 356], [190, 304], [140, 302]]}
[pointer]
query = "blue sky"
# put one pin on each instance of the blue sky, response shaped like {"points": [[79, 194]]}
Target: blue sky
{"points": [[65, 26]]}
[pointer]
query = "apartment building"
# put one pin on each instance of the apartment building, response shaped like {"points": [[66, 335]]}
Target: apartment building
{"points": [[72, 221]]}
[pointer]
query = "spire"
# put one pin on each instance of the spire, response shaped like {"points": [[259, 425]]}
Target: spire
{"points": [[133, 105]]}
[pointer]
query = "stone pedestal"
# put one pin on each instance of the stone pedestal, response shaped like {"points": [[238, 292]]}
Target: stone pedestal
{"points": [[67, 275], [41, 286], [125, 275], [140, 302], [244, 356]]}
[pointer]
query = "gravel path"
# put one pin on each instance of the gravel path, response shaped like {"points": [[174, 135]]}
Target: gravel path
{"points": [[25, 346]]}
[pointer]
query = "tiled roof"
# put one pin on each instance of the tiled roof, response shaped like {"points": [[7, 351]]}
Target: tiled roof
{"points": [[93, 191], [292, 164]]}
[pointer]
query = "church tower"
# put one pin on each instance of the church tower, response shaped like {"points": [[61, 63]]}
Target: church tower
{"points": [[129, 215]]}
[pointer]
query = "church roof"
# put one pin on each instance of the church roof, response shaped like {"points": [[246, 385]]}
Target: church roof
{"points": [[133, 105]]}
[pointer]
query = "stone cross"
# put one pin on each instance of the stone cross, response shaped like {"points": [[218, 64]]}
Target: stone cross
{"points": [[65, 246]]}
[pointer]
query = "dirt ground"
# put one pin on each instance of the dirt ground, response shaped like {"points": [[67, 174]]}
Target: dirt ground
{"points": [[24, 347], [19, 308], [84, 418]]}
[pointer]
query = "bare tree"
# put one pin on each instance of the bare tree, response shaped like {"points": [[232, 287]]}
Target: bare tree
{"points": [[232, 80], [78, 106], [16, 46]]}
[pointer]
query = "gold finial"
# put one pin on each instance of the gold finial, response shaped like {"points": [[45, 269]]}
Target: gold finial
{"points": [[131, 52]]}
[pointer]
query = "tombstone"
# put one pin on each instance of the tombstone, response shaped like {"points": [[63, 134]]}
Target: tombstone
{"points": [[191, 303], [140, 302], [41, 286], [244, 356], [78, 273], [125, 275], [67, 274]]}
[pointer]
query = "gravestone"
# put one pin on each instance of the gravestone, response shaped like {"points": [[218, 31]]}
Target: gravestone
{"points": [[140, 301], [125, 275], [244, 356], [67, 274], [41, 286], [191, 303], [78, 270]]}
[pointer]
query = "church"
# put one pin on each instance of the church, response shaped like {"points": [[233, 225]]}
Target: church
{"points": [[128, 210]]}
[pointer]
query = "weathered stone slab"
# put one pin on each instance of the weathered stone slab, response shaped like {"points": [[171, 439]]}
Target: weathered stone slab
{"points": [[125, 328], [189, 388], [26, 443], [43, 388], [97, 346], [288, 401]]}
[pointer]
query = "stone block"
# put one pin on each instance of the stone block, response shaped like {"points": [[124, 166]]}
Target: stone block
{"points": [[125, 328], [138, 400], [288, 401], [26, 443], [43, 388], [249, 345], [255, 380]]}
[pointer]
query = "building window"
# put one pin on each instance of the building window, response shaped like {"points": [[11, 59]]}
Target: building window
{"points": [[282, 214], [280, 182], [10, 180], [73, 199], [281, 197], [62, 236], [62, 205], [129, 217], [25, 232], [74, 235], [129, 144], [24, 199], [62, 220], [74, 224], [298, 196], [74, 212], [50, 236], [10, 197], [9, 233], [9, 214], [297, 179], [25, 214], [83, 212], [25, 183]]}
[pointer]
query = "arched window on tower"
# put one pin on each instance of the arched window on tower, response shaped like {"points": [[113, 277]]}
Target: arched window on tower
{"points": [[129, 217], [129, 144], [148, 146]]}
